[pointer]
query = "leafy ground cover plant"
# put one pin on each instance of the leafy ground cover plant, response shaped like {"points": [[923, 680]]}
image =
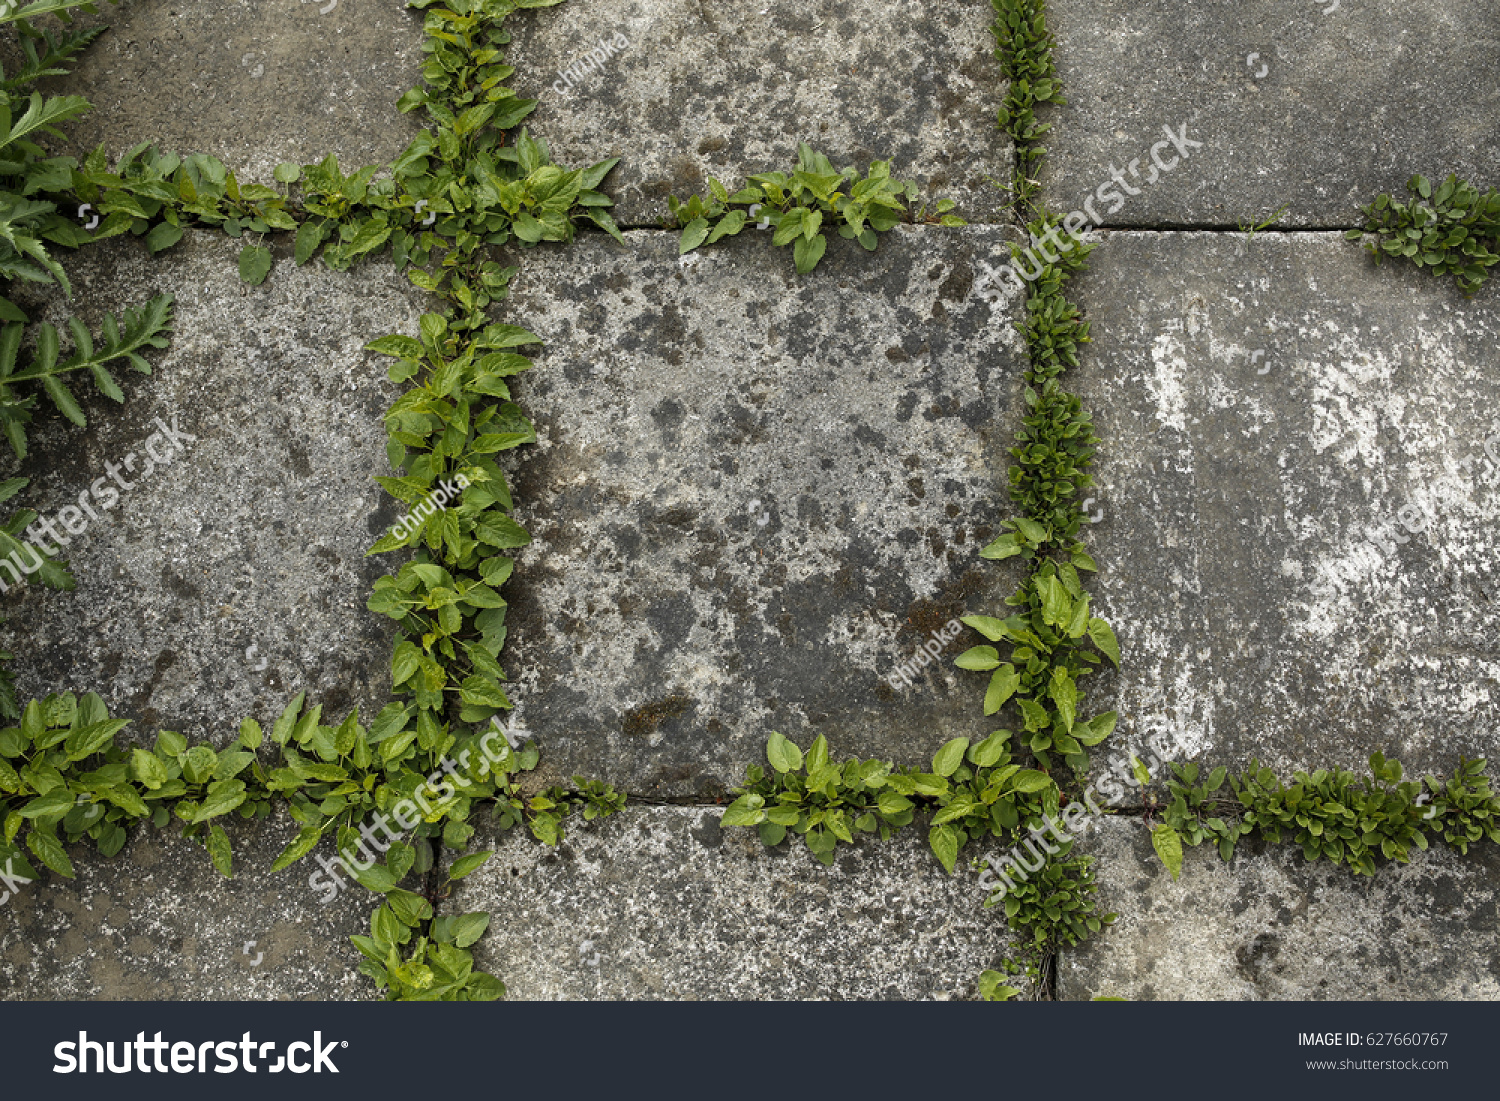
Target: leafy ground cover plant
{"points": [[971, 791], [64, 778], [1452, 229], [799, 205], [1024, 47], [1331, 814]]}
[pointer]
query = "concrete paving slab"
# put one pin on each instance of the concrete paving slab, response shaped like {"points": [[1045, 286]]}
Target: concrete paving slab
{"points": [[690, 90], [157, 922], [659, 903], [1269, 408], [230, 579], [754, 496], [252, 82], [1317, 104], [1273, 927]]}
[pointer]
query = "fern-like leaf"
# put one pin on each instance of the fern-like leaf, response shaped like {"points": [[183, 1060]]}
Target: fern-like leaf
{"points": [[56, 50], [145, 328]]}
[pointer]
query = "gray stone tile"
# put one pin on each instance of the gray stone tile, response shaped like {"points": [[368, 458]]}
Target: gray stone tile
{"points": [[158, 922], [252, 82], [1272, 927], [730, 88], [659, 903], [1351, 103], [754, 496], [1268, 407], [254, 535]]}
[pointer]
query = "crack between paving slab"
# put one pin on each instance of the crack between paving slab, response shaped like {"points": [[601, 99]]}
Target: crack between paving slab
{"points": [[656, 227], [1163, 227], [1233, 230], [672, 801], [430, 884]]}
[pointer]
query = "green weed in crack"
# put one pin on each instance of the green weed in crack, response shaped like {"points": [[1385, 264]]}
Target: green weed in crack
{"points": [[972, 792], [1023, 46], [800, 204], [1450, 230], [1332, 814]]}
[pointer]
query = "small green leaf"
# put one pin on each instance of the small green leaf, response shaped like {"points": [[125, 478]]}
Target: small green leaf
{"points": [[744, 811], [1168, 845], [466, 865], [146, 768], [1064, 694], [49, 851], [1029, 780], [298, 847], [309, 236], [783, 755], [992, 987], [163, 237], [1104, 638], [288, 720], [220, 852], [251, 735], [468, 928], [947, 759], [1036, 716], [991, 628], [817, 755], [987, 752], [944, 842], [979, 658], [807, 253], [693, 235], [772, 834], [222, 797], [255, 264], [1003, 685]]}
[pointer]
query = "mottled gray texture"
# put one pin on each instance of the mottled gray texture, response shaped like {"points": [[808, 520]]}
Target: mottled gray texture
{"points": [[660, 903], [252, 82], [754, 494], [255, 536], [1272, 927], [1353, 102], [726, 89], [1238, 498], [158, 922]]}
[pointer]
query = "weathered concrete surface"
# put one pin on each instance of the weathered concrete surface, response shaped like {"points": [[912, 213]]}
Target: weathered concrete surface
{"points": [[1271, 926], [754, 496], [254, 536], [158, 922], [729, 88], [660, 903], [1351, 103], [1266, 406], [252, 82]]}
